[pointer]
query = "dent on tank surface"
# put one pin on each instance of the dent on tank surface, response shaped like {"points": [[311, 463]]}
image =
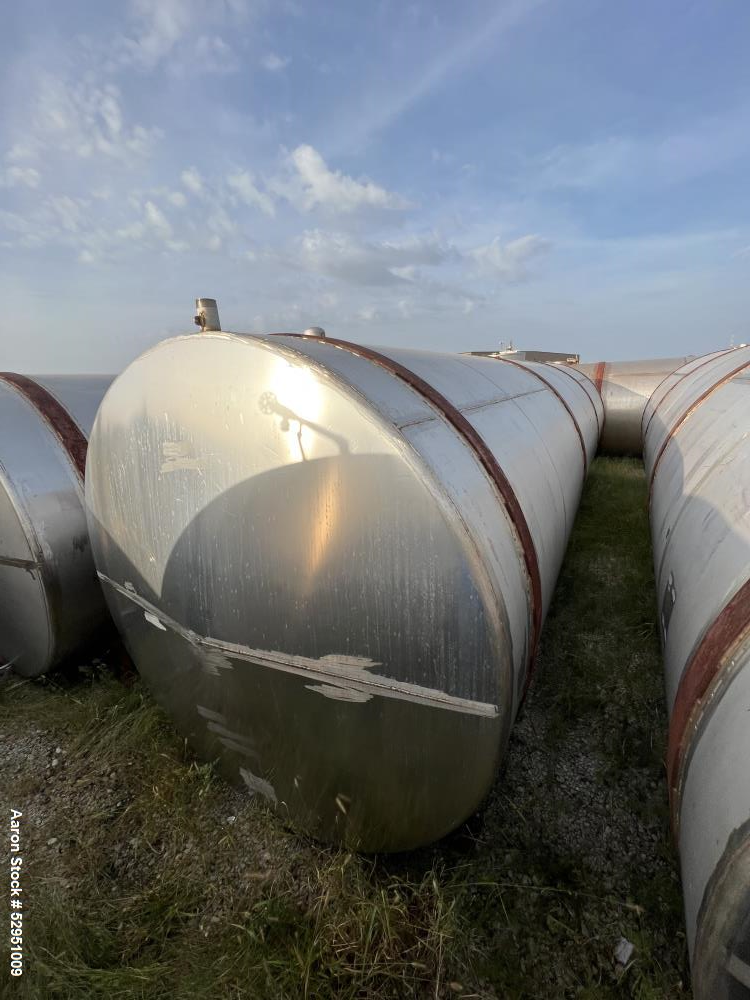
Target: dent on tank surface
{"points": [[51, 598], [331, 563]]}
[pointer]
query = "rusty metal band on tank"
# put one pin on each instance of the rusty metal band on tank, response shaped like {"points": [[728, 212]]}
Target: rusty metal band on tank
{"points": [[316, 554], [697, 457], [52, 601]]}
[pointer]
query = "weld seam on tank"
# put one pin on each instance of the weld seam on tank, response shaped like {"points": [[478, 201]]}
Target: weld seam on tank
{"points": [[564, 402], [654, 411], [569, 372], [55, 415], [686, 414], [699, 681], [486, 459]]}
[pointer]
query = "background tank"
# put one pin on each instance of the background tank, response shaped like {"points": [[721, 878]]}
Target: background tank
{"points": [[625, 388], [51, 599], [697, 456], [331, 564]]}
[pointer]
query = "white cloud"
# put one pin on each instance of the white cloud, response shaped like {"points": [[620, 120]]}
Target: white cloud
{"points": [[314, 185], [192, 180], [81, 119], [508, 260], [584, 166], [17, 176], [618, 162], [213, 55], [157, 221], [162, 30], [477, 42], [20, 151], [273, 63], [340, 256], [68, 212], [243, 184], [177, 198]]}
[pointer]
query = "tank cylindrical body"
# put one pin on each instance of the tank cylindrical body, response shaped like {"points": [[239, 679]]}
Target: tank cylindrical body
{"points": [[51, 598], [625, 387], [331, 563], [697, 456]]}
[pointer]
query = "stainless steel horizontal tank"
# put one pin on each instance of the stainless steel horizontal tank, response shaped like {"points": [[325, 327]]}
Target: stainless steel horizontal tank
{"points": [[331, 563], [697, 456], [51, 598], [625, 387]]}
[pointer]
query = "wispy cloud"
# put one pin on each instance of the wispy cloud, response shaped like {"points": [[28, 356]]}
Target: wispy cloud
{"points": [[509, 261], [363, 263], [192, 180], [274, 63], [159, 30], [313, 184], [477, 41], [16, 176], [243, 183], [646, 160], [83, 119]]}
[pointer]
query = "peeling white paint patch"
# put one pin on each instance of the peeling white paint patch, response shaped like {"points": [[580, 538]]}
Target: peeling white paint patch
{"points": [[177, 456], [339, 660], [213, 661], [257, 785], [154, 620], [240, 748], [339, 693]]}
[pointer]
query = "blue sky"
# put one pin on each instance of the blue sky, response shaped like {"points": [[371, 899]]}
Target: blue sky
{"points": [[568, 174]]}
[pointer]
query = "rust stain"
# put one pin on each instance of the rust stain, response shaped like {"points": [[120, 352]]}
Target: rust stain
{"points": [[699, 679], [55, 415], [486, 458], [599, 376], [691, 409]]}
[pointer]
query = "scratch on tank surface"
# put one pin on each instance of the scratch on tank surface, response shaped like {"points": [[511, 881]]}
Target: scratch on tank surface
{"points": [[257, 785]]}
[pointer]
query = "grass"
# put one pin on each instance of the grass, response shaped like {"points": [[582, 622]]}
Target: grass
{"points": [[163, 882]]}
